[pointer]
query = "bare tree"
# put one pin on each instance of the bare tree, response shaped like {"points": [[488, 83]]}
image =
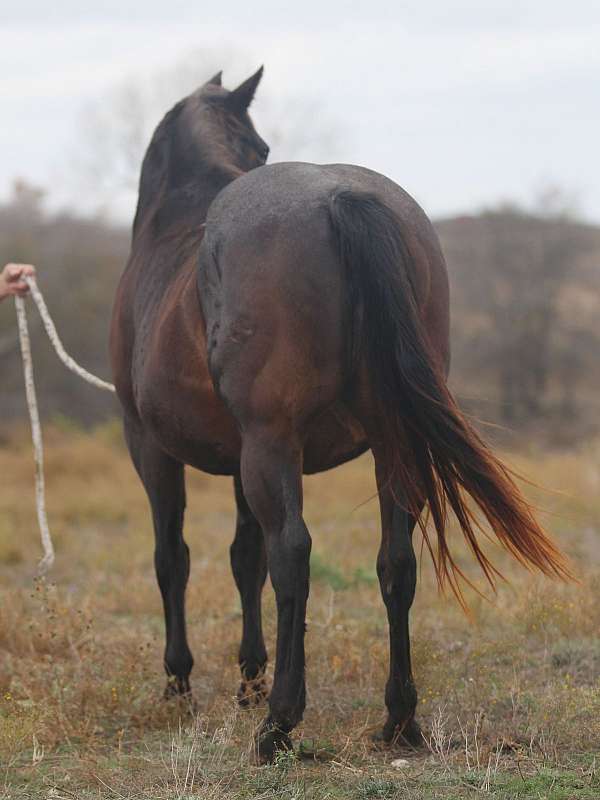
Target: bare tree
{"points": [[79, 262], [522, 319]]}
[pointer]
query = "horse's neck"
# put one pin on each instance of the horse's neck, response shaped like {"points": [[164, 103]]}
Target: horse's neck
{"points": [[168, 232], [169, 209]]}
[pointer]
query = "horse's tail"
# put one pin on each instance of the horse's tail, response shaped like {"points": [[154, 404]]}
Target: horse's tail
{"points": [[428, 447]]}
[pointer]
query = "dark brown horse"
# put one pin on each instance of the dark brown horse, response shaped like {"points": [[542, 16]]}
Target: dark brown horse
{"points": [[275, 321]]}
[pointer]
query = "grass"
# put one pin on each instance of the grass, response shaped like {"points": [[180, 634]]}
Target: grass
{"points": [[509, 699]]}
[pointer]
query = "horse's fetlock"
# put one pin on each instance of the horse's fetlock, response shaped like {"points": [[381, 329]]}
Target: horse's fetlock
{"points": [[401, 699], [254, 666], [179, 664], [287, 705]]}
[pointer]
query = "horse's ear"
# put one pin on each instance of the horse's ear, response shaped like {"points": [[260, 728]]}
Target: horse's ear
{"points": [[239, 99], [216, 79]]}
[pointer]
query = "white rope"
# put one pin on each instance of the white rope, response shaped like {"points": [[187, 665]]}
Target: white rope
{"points": [[58, 346], [36, 429]]}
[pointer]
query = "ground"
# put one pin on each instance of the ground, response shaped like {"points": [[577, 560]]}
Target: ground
{"points": [[509, 698]]}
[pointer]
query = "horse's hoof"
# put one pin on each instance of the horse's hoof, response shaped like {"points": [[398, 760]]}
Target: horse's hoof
{"points": [[180, 692], [177, 687], [253, 692], [407, 735], [269, 741]]}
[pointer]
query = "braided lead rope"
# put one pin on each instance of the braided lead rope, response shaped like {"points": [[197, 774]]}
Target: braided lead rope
{"points": [[36, 435], [36, 429], [58, 346]]}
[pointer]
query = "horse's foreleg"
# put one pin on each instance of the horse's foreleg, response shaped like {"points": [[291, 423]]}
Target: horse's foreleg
{"points": [[272, 480], [249, 566], [397, 572], [163, 479]]}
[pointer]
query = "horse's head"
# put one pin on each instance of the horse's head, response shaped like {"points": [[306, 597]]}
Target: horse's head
{"points": [[208, 131], [219, 118]]}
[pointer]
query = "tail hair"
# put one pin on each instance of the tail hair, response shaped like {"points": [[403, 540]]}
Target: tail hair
{"points": [[428, 447]]}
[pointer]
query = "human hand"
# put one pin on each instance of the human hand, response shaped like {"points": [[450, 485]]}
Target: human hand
{"points": [[12, 279]]}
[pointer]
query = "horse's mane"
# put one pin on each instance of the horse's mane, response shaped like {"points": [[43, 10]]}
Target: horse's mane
{"points": [[172, 187], [154, 173]]}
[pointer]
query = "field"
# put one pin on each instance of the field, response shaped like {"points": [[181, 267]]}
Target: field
{"points": [[509, 698]]}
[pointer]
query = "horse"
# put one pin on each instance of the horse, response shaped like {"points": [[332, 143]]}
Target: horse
{"points": [[279, 320]]}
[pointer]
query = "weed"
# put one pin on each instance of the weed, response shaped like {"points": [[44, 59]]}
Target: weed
{"points": [[377, 789]]}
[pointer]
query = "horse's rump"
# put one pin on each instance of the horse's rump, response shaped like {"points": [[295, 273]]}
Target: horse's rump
{"points": [[275, 294]]}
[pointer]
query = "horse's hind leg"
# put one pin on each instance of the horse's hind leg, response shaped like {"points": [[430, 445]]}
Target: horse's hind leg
{"points": [[164, 481], [249, 566], [272, 480], [397, 572]]}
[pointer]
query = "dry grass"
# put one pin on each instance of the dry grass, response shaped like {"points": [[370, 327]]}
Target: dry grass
{"points": [[510, 700]]}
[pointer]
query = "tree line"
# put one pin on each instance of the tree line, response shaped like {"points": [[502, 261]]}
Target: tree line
{"points": [[525, 301]]}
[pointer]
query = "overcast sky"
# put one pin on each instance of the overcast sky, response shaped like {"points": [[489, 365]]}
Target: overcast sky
{"points": [[463, 103]]}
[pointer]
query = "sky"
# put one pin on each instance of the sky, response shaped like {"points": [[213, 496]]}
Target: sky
{"points": [[465, 104]]}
